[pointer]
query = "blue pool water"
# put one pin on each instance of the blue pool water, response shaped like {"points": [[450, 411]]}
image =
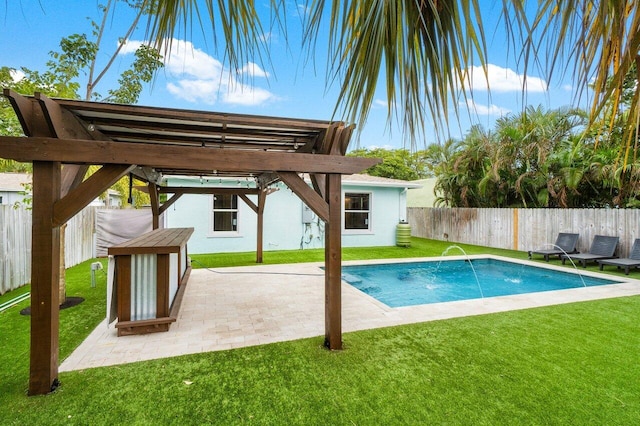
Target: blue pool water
{"points": [[407, 284]]}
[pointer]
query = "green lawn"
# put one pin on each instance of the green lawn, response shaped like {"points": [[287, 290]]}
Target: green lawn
{"points": [[566, 364]]}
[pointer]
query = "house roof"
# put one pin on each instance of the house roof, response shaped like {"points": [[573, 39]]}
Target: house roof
{"points": [[354, 179], [360, 179], [14, 182]]}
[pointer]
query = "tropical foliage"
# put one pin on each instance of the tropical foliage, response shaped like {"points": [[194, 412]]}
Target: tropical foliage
{"points": [[396, 163], [75, 67], [423, 50], [536, 158]]}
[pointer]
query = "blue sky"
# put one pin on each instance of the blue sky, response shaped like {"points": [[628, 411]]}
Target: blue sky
{"points": [[196, 78]]}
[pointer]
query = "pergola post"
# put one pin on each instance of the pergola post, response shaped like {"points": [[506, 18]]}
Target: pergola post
{"points": [[262, 198], [155, 205], [45, 276], [333, 264]]}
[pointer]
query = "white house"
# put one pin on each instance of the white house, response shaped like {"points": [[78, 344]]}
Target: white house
{"points": [[372, 208], [14, 188], [111, 199]]}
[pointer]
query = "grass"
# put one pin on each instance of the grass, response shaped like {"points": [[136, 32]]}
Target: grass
{"points": [[419, 248], [565, 364]]}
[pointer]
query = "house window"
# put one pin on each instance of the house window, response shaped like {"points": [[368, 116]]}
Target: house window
{"points": [[357, 211], [0, 199], [225, 213]]}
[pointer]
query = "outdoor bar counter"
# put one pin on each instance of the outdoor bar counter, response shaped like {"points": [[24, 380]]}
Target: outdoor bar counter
{"points": [[151, 272]]}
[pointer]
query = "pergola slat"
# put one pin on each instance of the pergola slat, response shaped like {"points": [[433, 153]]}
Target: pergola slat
{"points": [[84, 109]]}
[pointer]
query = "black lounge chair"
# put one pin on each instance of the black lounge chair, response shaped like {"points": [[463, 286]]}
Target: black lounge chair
{"points": [[627, 262], [602, 247], [565, 243]]}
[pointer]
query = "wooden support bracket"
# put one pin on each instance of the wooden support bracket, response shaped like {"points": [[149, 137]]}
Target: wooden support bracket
{"points": [[79, 197], [311, 198]]}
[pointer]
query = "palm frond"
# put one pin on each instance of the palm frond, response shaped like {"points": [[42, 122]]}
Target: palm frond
{"points": [[236, 20]]}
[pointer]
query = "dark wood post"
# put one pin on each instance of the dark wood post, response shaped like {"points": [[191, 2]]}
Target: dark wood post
{"points": [[333, 264], [163, 277], [155, 205], [262, 198], [45, 276]]}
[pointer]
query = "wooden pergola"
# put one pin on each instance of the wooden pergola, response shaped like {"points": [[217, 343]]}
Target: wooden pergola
{"points": [[65, 136]]}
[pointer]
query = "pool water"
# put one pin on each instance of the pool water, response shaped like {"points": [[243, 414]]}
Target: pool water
{"points": [[407, 284]]}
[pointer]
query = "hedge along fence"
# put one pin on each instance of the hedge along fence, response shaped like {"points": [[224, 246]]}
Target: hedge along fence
{"points": [[524, 229], [15, 243]]}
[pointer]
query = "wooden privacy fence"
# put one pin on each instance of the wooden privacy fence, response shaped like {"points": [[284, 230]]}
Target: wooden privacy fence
{"points": [[15, 247], [524, 229], [15, 243]]}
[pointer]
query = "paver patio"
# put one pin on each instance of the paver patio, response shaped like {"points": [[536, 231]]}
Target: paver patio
{"points": [[244, 306]]}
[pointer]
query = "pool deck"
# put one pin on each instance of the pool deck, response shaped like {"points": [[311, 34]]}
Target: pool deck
{"points": [[228, 308]]}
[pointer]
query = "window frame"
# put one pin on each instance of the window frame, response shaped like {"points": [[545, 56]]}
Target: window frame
{"points": [[369, 229], [212, 212]]}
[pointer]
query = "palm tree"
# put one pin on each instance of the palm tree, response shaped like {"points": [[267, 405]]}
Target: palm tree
{"points": [[526, 141], [424, 48]]}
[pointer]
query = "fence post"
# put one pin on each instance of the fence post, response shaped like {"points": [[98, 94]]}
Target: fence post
{"points": [[515, 229]]}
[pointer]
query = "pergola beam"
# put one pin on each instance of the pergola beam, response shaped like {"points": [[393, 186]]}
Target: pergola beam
{"points": [[31, 125], [182, 157], [311, 198], [206, 190], [318, 181], [62, 124], [79, 197], [169, 203]]}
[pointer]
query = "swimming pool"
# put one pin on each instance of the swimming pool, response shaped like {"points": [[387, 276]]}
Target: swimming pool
{"points": [[418, 283]]}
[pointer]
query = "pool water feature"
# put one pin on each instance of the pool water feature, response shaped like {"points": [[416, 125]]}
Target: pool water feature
{"points": [[418, 283]]}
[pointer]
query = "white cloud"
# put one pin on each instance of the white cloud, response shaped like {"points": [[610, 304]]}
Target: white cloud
{"points": [[185, 59], [480, 109], [380, 103], [198, 77], [130, 47], [503, 80], [16, 75], [303, 9], [205, 91], [242, 94], [268, 36], [386, 146], [252, 69]]}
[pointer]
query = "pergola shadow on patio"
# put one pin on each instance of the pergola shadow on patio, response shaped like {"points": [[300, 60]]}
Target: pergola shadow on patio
{"points": [[65, 136]]}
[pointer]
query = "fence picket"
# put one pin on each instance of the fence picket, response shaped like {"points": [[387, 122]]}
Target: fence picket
{"points": [[15, 244]]}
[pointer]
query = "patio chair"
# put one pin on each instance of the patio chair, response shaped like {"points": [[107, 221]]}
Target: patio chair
{"points": [[565, 243], [627, 262], [602, 247]]}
